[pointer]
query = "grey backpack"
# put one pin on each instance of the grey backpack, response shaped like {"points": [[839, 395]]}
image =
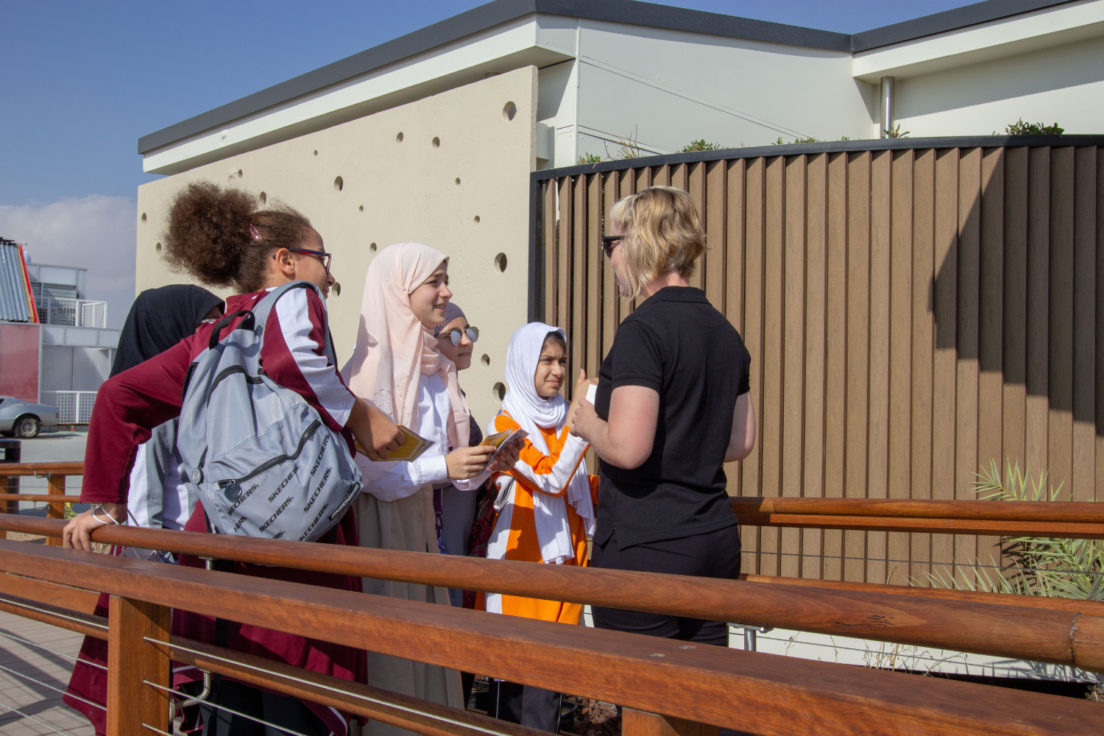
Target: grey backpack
{"points": [[260, 458]]}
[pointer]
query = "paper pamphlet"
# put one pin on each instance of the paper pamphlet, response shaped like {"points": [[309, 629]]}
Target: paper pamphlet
{"points": [[592, 392], [412, 447], [499, 440]]}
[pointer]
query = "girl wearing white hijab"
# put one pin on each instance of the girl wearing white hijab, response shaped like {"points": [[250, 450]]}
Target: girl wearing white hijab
{"points": [[398, 367], [547, 498]]}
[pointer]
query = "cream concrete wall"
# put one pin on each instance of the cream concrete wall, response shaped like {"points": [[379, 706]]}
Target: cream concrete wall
{"points": [[449, 170], [1064, 84]]}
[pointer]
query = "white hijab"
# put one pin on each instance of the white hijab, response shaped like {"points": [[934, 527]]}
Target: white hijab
{"points": [[531, 411]]}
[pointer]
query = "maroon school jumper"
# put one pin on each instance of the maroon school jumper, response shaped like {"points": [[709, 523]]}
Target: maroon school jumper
{"points": [[127, 407]]}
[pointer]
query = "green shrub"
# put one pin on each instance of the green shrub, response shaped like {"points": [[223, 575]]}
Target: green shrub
{"points": [[1021, 128], [701, 145], [590, 158]]}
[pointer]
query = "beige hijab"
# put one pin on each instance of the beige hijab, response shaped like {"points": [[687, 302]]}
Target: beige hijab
{"points": [[394, 350]]}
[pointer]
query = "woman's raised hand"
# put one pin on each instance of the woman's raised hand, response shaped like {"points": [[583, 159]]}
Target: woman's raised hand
{"points": [[582, 385], [468, 462]]}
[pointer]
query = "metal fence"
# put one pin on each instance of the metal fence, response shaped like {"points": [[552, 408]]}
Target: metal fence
{"points": [[72, 312], [914, 311], [74, 407]]}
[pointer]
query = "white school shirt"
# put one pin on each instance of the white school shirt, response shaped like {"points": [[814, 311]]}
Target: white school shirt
{"points": [[390, 481]]}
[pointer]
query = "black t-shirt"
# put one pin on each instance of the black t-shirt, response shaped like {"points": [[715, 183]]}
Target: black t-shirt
{"points": [[678, 344]]}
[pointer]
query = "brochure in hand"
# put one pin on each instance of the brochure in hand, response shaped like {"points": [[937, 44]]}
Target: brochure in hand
{"points": [[500, 440], [412, 447]]}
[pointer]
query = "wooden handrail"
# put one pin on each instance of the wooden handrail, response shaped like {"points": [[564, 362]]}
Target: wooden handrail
{"points": [[1033, 632], [767, 694], [75, 467], [1052, 511]]}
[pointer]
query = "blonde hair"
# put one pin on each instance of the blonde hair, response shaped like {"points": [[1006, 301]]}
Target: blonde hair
{"points": [[663, 233]]}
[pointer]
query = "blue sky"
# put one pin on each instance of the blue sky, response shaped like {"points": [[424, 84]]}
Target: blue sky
{"points": [[82, 80]]}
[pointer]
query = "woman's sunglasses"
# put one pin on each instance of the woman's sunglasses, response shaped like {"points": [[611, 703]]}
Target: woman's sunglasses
{"points": [[456, 334], [609, 242]]}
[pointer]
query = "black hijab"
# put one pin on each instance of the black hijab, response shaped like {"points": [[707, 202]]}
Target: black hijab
{"points": [[159, 319]]}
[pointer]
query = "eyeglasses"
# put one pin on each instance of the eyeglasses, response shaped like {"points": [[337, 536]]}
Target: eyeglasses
{"points": [[456, 334], [609, 242], [322, 256]]}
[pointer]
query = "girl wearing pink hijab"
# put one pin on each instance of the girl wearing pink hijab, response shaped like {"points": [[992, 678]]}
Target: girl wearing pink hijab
{"points": [[398, 366]]}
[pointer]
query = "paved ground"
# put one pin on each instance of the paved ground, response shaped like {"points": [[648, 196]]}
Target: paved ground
{"points": [[36, 659]]}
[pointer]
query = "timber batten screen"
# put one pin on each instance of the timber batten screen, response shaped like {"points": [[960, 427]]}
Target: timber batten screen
{"points": [[914, 310]]}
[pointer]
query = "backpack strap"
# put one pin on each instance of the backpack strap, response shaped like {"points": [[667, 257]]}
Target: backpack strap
{"points": [[264, 307]]}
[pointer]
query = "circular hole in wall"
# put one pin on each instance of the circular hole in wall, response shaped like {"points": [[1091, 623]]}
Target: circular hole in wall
{"points": [[360, 208], [475, 219], [500, 262], [339, 184], [143, 217], [263, 196], [458, 181], [485, 360], [436, 142], [509, 110], [157, 247], [499, 391], [336, 288], [399, 137], [239, 173], [315, 152], [372, 247]]}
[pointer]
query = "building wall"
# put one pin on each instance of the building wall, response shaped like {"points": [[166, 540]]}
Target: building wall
{"points": [[363, 188], [662, 89], [1063, 84], [19, 344]]}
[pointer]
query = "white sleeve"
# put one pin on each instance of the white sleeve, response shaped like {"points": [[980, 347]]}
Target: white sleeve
{"points": [[554, 483], [320, 375]]}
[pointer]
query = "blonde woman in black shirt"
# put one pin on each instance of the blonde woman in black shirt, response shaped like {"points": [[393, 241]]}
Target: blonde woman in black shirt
{"points": [[671, 407]]}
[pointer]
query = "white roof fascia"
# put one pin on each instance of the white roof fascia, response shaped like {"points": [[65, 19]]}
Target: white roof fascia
{"points": [[500, 49], [1020, 34]]}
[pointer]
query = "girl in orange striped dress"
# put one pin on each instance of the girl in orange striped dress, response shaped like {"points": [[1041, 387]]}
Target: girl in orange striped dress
{"points": [[546, 499]]}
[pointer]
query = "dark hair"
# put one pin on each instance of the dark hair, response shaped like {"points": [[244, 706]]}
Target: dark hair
{"points": [[219, 236], [556, 337]]}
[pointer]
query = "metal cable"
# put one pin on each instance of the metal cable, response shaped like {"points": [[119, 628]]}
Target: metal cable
{"points": [[358, 696], [56, 614], [34, 645], [39, 721]]}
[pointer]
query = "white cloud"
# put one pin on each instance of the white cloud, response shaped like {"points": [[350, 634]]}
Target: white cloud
{"points": [[95, 232]]}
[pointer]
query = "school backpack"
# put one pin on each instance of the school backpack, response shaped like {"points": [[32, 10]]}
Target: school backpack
{"points": [[259, 457]]}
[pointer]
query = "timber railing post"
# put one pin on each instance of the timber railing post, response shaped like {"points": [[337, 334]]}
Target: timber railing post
{"points": [[642, 723], [135, 666], [56, 483]]}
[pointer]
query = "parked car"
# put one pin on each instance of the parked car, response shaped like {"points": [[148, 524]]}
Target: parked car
{"points": [[25, 418]]}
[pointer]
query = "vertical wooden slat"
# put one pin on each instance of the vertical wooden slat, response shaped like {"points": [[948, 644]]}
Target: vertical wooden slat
{"points": [[816, 228], [694, 177], [898, 459], [592, 317], [923, 347], [1084, 326], [879, 311], [793, 350], [1016, 295], [610, 299], [131, 662], [1060, 320], [661, 176], [715, 268], [990, 327], [679, 177], [1098, 199], [858, 352], [835, 389], [751, 467], [734, 294], [562, 284], [642, 723], [944, 400], [55, 487], [1037, 296], [551, 215], [967, 285], [772, 413]]}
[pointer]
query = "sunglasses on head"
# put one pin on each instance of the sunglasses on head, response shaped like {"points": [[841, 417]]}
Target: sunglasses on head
{"points": [[456, 334], [609, 242]]}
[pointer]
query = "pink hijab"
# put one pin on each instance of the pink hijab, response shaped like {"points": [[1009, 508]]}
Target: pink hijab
{"points": [[394, 349]]}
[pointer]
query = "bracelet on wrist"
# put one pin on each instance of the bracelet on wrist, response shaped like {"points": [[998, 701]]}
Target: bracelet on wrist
{"points": [[107, 518]]}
